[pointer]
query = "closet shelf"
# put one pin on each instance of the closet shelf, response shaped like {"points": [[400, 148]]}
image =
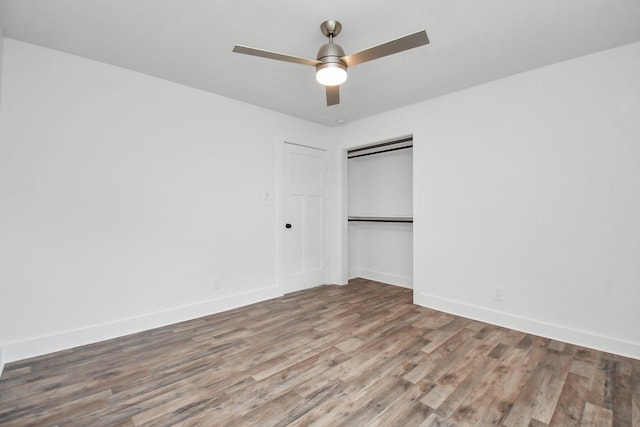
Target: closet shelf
{"points": [[408, 219]]}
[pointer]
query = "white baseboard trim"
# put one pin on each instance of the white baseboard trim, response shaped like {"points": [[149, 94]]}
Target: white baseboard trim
{"points": [[531, 326], [392, 279], [38, 346]]}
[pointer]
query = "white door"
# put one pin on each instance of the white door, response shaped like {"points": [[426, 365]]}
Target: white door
{"points": [[304, 227]]}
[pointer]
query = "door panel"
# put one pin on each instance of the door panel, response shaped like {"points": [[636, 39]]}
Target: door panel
{"points": [[315, 247], [295, 233], [305, 201]]}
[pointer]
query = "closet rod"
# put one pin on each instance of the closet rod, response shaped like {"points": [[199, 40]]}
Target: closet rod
{"points": [[380, 219], [382, 144], [381, 147], [379, 152]]}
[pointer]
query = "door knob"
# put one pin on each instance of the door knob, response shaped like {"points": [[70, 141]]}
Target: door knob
{"points": [[287, 226]]}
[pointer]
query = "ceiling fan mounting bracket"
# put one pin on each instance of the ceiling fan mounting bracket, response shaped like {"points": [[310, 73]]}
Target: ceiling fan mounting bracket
{"points": [[331, 28]]}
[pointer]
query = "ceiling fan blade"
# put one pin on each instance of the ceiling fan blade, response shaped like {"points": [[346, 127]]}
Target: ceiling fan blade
{"points": [[274, 55], [333, 95], [394, 46]]}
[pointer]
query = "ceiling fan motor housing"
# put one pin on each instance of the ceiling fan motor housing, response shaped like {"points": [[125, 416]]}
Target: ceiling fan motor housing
{"points": [[330, 55]]}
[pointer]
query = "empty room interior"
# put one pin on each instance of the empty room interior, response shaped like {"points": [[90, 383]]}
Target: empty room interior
{"points": [[199, 228]]}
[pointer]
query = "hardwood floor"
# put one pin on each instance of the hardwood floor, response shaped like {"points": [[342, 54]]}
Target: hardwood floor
{"points": [[360, 354]]}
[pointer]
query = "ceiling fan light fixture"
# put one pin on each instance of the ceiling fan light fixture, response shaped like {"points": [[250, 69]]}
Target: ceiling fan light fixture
{"points": [[331, 74], [331, 63]]}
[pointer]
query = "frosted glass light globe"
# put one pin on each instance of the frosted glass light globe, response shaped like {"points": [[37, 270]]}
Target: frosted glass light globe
{"points": [[331, 74]]}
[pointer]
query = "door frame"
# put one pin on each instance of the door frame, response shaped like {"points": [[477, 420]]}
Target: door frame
{"points": [[281, 211]]}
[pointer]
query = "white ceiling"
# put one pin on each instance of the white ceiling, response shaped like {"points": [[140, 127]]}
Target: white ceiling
{"points": [[190, 42]]}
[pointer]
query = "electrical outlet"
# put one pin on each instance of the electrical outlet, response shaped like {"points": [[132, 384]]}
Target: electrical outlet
{"points": [[217, 283], [497, 293]]}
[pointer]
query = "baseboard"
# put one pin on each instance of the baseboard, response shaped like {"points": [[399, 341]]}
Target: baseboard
{"points": [[1, 363], [38, 346], [530, 326], [392, 279]]}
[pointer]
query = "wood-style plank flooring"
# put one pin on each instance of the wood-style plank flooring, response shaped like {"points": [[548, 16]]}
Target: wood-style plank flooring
{"points": [[353, 355]]}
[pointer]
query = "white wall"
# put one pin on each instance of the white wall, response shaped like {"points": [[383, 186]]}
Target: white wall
{"points": [[530, 184], [381, 252], [1, 40], [1, 293], [123, 198], [381, 185]]}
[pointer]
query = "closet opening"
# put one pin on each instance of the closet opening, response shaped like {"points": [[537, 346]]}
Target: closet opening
{"points": [[380, 211]]}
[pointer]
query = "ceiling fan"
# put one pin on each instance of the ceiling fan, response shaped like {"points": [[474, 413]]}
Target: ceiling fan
{"points": [[331, 63]]}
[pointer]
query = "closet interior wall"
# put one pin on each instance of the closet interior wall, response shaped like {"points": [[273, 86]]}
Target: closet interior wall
{"points": [[380, 209]]}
